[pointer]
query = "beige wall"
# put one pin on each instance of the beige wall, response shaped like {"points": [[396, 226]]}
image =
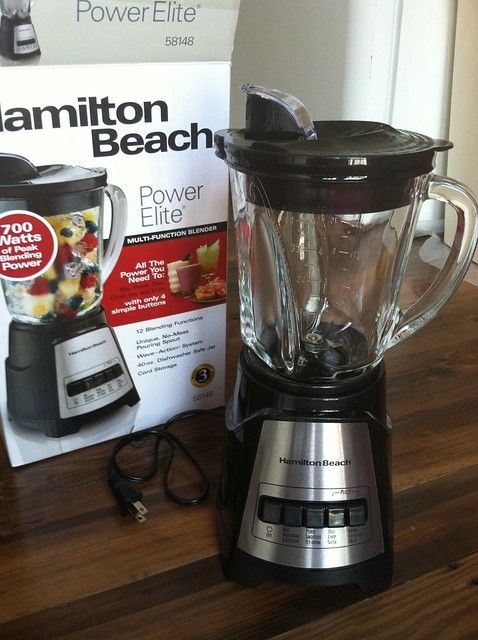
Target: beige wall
{"points": [[291, 46], [382, 60], [462, 161]]}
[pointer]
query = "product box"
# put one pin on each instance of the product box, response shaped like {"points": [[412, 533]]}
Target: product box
{"points": [[113, 212]]}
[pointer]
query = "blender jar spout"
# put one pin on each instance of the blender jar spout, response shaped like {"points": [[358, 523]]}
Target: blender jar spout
{"points": [[283, 108]]}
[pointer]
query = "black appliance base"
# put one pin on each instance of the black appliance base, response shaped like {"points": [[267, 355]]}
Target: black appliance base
{"points": [[372, 576], [7, 39], [31, 375], [300, 447]]}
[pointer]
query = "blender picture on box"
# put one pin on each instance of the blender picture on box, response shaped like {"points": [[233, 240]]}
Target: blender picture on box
{"points": [[53, 270], [114, 307], [18, 39], [65, 368]]}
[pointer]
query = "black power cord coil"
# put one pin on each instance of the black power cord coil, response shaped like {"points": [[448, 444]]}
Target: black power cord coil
{"points": [[129, 500]]}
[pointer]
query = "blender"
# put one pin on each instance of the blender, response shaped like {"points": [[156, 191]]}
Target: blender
{"points": [[17, 35], [65, 367], [324, 214]]}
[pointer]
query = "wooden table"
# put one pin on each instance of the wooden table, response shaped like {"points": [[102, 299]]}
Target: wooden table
{"points": [[72, 568]]}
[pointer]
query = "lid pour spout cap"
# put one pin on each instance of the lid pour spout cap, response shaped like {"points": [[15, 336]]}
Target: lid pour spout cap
{"points": [[15, 169], [274, 115]]}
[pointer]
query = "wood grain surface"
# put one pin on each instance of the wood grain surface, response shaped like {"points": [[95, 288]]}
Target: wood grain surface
{"points": [[71, 568]]}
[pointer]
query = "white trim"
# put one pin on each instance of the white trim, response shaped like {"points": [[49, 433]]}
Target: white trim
{"points": [[371, 59]]}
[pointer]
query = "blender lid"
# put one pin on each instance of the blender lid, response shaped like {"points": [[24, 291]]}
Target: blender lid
{"points": [[19, 178], [273, 144]]}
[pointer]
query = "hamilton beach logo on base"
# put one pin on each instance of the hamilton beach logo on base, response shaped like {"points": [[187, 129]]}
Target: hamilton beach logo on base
{"points": [[315, 463]]}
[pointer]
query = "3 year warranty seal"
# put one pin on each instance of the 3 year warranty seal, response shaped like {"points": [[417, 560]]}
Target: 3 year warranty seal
{"points": [[202, 375]]}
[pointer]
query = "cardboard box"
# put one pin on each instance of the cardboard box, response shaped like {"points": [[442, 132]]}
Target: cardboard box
{"points": [[149, 123]]}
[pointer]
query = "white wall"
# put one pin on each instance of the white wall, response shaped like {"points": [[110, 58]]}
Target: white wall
{"points": [[422, 93], [462, 164], [386, 60], [298, 46]]}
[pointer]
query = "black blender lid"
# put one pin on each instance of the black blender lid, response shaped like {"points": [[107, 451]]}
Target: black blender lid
{"points": [[19, 178], [273, 143]]}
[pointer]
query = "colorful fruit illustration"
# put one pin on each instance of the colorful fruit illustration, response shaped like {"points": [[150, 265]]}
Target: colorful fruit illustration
{"points": [[72, 284]]}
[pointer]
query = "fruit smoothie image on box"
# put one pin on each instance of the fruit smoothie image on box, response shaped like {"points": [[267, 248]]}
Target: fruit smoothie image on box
{"points": [[189, 277], [214, 289], [197, 280], [71, 287], [65, 366]]}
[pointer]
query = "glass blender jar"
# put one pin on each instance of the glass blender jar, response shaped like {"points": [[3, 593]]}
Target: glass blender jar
{"points": [[64, 365], [325, 214], [71, 202], [17, 35]]}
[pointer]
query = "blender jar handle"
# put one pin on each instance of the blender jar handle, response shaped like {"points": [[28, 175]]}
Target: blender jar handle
{"points": [[119, 212], [446, 282]]}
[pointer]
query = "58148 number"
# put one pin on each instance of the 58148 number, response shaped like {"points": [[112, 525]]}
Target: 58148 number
{"points": [[179, 41]]}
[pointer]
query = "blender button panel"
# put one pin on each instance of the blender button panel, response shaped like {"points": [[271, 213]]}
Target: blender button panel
{"points": [[112, 373], [271, 511], [118, 371], [313, 515]]}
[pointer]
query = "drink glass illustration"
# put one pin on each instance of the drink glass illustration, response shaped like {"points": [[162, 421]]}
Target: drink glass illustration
{"points": [[208, 257], [174, 284], [189, 277]]}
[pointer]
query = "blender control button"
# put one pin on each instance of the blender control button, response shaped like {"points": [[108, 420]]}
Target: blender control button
{"points": [[100, 379], [75, 388], [315, 517], [89, 383], [292, 514], [357, 514], [118, 370], [336, 517], [110, 374], [271, 511]]}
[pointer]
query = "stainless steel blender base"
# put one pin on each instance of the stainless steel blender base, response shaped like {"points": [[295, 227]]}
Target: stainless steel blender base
{"points": [[18, 39], [312, 501], [305, 494], [90, 372], [63, 376]]}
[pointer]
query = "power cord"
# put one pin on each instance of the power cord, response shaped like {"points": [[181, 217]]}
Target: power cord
{"points": [[119, 479]]}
